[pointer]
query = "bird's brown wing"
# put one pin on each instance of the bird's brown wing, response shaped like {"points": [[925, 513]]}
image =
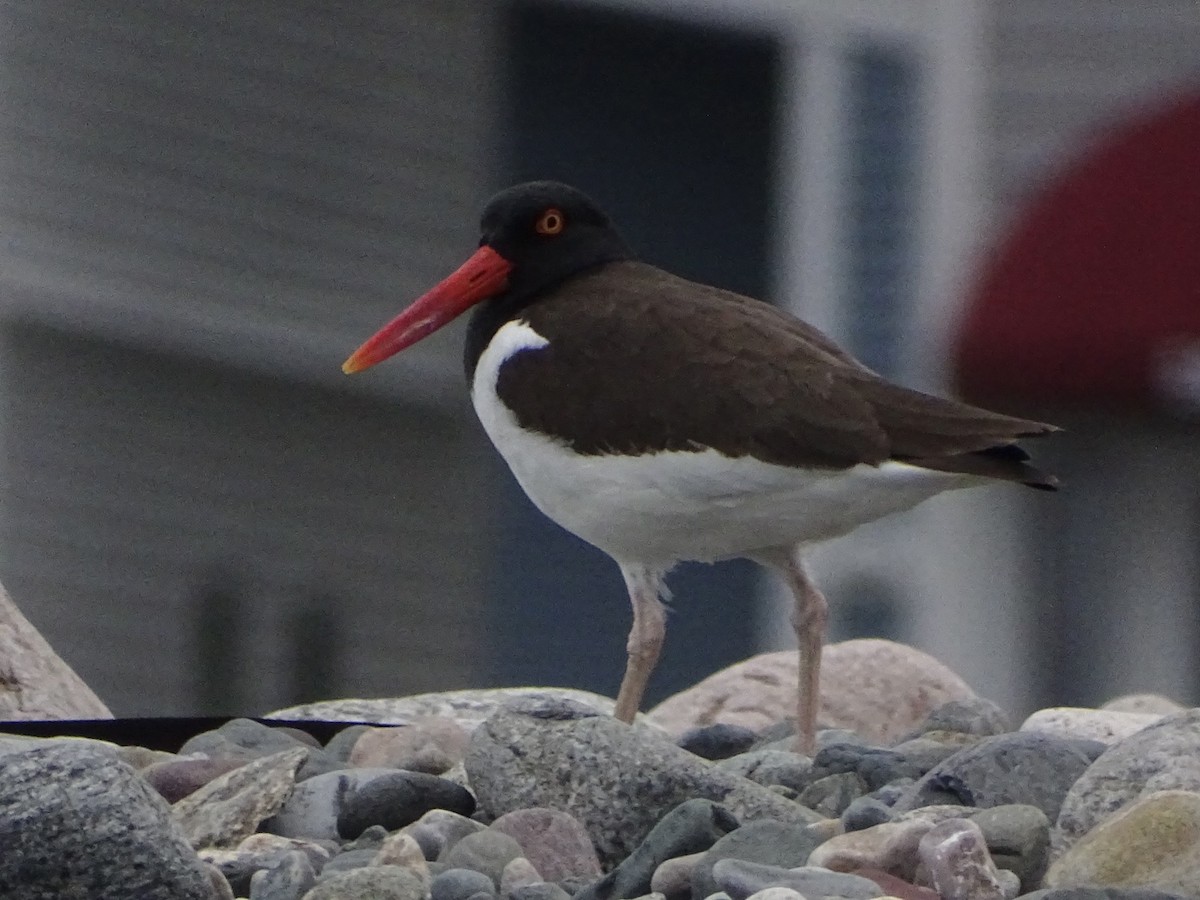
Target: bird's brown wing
{"points": [[641, 361]]}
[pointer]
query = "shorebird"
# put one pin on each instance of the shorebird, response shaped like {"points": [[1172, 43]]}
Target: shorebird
{"points": [[663, 420]]}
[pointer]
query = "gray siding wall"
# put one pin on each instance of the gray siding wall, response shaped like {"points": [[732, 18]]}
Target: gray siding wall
{"points": [[204, 208], [1062, 69], [252, 181]]}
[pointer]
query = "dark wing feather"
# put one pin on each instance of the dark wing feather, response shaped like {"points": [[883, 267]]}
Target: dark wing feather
{"points": [[641, 360]]}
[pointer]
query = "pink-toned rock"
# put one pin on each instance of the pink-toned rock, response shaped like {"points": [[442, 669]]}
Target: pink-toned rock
{"points": [[431, 744], [889, 847], [955, 858], [555, 842], [897, 887], [179, 777], [879, 689]]}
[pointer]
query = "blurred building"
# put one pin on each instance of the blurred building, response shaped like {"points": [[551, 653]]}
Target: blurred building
{"points": [[204, 208]]}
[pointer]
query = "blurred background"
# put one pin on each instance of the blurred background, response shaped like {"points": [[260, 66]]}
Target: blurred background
{"points": [[205, 207]]}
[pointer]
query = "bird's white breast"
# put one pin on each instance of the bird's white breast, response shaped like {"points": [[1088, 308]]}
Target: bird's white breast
{"points": [[660, 508]]}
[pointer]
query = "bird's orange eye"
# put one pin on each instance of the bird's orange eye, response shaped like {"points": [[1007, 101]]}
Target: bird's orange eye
{"points": [[550, 222]]}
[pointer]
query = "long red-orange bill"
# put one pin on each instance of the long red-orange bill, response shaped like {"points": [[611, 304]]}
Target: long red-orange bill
{"points": [[484, 275]]}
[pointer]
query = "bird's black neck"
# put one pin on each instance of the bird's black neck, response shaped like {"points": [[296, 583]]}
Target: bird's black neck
{"points": [[532, 283], [491, 315]]}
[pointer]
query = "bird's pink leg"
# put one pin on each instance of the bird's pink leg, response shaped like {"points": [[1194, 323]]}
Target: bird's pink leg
{"points": [[645, 638], [810, 615]]}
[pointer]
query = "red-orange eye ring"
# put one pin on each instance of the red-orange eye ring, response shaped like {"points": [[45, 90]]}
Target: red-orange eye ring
{"points": [[550, 222]]}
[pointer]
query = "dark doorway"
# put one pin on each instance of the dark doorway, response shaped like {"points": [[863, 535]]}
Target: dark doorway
{"points": [[672, 126]]}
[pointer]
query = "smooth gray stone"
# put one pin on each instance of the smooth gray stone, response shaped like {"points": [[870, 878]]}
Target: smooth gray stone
{"points": [[1018, 839], [1022, 767], [770, 767], [485, 851], [865, 812], [75, 821], [347, 861], [739, 879], [617, 780], [460, 884], [718, 741], [832, 794], [312, 809], [440, 829], [977, 716], [691, 827], [288, 879], [398, 799], [776, 844]]}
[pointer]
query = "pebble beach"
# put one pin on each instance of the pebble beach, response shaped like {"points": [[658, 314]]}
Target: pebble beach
{"points": [[920, 788]]}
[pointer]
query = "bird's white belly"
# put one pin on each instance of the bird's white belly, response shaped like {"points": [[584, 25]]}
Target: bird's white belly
{"points": [[659, 508]]}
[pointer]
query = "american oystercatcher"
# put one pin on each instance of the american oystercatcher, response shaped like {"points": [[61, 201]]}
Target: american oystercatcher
{"points": [[663, 420]]}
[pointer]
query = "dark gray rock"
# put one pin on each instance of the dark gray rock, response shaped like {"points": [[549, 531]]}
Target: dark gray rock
{"points": [[718, 741], [830, 795], [312, 809], [691, 827], [772, 767], [1025, 767], [346, 861], [893, 792], [865, 812], [616, 780], [289, 879], [439, 829], [370, 838], [739, 879], [485, 851], [876, 766], [75, 821], [398, 799], [246, 740], [775, 844], [461, 884], [1018, 839], [1163, 756], [975, 716]]}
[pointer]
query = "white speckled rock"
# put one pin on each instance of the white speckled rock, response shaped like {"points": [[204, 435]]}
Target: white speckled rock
{"points": [[1106, 726], [1144, 703], [1162, 756], [231, 807], [1152, 843], [468, 707], [878, 689]]}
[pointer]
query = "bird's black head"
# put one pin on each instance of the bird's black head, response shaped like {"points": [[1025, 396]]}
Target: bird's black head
{"points": [[532, 236], [548, 231]]}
